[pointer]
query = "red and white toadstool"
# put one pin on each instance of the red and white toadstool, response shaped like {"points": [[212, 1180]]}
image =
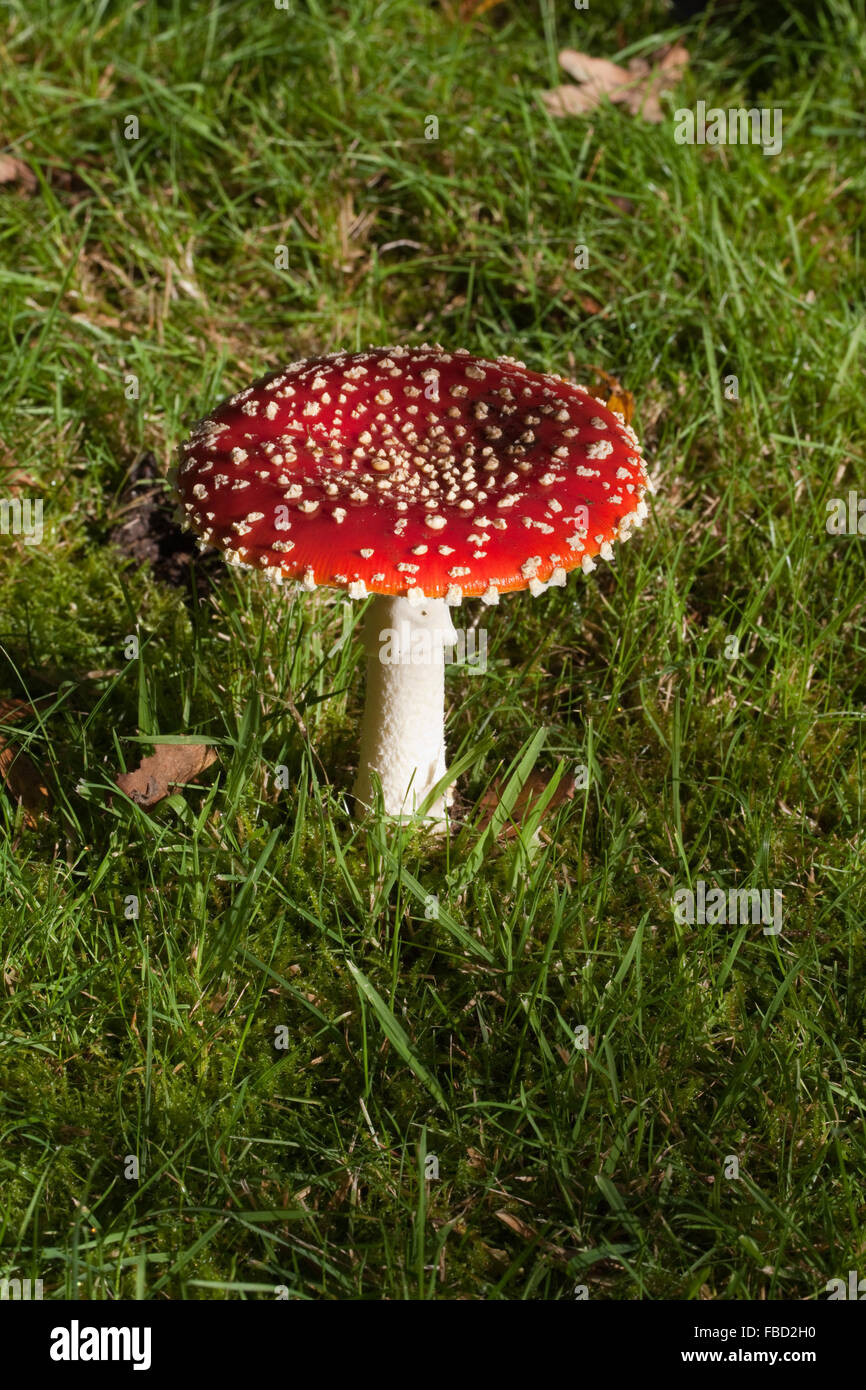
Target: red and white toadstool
{"points": [[423, 477]]}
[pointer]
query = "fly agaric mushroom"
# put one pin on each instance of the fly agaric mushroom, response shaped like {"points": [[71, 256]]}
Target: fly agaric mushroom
{"points": [[422, 477]]}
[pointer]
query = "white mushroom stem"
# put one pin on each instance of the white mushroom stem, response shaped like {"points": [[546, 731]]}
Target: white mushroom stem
{"points": [[403, 728]]}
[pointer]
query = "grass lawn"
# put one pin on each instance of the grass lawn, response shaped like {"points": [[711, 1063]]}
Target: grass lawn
{"points": [[350, 1060]]}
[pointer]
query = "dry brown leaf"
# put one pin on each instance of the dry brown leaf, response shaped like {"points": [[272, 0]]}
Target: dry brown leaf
{"points": [[674, 63], [66, 1133], [527, 1233], [598, 79], [529, 794], [569, 100], [618, 398], [595, 72], [23, 781], [170, 766], [638, 67], [644, 99], [515, 1224], [15, 171], [637, 87]]}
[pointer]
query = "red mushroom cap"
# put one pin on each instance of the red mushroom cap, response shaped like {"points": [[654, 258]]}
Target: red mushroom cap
{"points": [[414, 471]]}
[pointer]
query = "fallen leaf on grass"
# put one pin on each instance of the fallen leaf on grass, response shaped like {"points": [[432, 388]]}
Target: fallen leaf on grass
{"points": [[598, 77], [528, 795], [170, 766], [66, 1133], [23, 780], [637, 86], [514, 1223], [15, 171], [526, 1232], [622, 405], [618, 399]]}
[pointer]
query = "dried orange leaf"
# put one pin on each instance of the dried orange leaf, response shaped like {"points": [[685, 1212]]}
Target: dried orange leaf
{"points": [[23, 781], [622, 403], [536, 784], [618, 399], [611, 382], [171, 765]]}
